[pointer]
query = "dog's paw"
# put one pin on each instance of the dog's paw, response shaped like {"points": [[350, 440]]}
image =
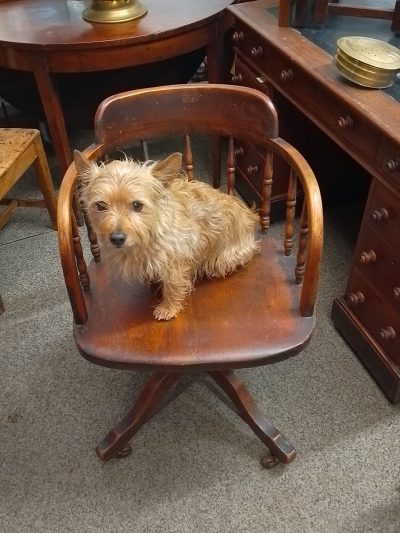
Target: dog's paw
{"points": [[162, 312]]}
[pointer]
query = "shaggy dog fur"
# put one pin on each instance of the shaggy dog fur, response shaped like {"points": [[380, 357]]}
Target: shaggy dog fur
{"points": [[156, 226]]}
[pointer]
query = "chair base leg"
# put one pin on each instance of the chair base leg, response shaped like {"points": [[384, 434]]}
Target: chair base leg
{"points": [[162, 388], [151, 400], [279, 447]]}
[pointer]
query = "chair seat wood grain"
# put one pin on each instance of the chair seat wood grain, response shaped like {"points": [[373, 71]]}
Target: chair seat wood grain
{"points": [[220, 327]]}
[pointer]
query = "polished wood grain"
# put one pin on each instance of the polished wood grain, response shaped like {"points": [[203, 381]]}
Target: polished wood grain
{"points": [[47, 38], [365, 125], [256, 316]]}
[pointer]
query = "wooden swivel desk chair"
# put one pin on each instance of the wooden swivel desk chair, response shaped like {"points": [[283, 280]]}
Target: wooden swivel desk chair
{"points": [[257, 316]]}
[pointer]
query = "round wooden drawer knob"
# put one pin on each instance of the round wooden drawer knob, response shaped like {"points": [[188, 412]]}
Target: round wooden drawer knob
{"points": [[356, 298], [252, 169], [345, 122], [236, 77], [257, 51], [239, 150], [392, 164], [286, 75], [368, 257], [387, 334], [237, 36], [379, 215]]}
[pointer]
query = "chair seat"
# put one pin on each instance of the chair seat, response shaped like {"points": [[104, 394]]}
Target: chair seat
{"points": [[121, 331], [13, 142]]}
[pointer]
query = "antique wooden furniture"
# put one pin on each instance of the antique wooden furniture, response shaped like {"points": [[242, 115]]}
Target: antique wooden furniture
{"points": [[272, 299], [365, 124], [20, 149], [48, 50], [303, 12]]}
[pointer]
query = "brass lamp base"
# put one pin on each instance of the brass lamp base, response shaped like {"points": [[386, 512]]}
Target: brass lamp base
{"points": [[107, 11]]}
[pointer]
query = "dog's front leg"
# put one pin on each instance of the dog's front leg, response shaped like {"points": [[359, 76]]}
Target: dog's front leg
{"points": [[174, 293]]}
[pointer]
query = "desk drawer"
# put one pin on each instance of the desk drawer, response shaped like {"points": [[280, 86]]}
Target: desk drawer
{"points": [[389, 161], [247, 77], [317, 102], [383, 216], [380, 319], [251, 163], [250, 160], [379, 263]]}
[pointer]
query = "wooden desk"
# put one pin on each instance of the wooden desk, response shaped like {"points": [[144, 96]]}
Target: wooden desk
{"points": [[49, 38], [365, 124]]}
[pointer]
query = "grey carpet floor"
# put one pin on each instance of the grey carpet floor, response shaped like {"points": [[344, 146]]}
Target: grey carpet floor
{"points": [[195, 467]]}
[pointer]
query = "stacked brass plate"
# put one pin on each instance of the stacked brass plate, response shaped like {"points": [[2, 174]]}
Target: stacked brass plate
{"points": [[367, 62]]}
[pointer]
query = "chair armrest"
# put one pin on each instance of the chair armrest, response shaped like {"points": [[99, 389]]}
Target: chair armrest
{"points": [[65, 223], [313, 203]]}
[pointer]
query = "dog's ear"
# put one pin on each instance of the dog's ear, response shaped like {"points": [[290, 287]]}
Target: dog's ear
{"points": [[168, 169], [83, 165]]}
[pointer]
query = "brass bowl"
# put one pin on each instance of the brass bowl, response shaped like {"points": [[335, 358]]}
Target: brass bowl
{"points": [[363, 68], [365, 80], [371, 51], [367, 62], [108, 11]]}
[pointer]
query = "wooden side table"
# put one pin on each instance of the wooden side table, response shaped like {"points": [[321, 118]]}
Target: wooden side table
{"points": [[48, 38]]}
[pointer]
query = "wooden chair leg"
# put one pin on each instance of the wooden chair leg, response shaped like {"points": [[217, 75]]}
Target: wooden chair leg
{"points": [[45, 182], [278, 445], [6, 213], [151, 400]]}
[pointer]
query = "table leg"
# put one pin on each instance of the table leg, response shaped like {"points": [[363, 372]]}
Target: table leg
{"points": [[55, 122], [53, 113]]}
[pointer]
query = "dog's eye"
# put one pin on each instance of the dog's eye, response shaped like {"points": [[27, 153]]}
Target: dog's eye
{"points": [[101, 206], [137, 206]]}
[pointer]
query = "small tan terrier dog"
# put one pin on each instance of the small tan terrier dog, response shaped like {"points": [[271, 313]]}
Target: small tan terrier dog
{"points": [[156, 226]]}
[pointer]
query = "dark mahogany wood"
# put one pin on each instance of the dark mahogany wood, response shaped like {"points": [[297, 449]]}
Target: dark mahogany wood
{"points": [[49, 39], [365, 125], [251, 414], [113, 321], [144, 409]]}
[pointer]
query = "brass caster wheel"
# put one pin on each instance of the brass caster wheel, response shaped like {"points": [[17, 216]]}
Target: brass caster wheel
{"points": [[126, 450], [269, 461]]}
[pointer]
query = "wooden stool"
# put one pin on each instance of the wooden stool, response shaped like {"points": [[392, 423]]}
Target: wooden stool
{"points": [[19, 149]]}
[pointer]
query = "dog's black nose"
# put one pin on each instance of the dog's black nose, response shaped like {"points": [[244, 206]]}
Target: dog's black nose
{"points": [[117, 238]]}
